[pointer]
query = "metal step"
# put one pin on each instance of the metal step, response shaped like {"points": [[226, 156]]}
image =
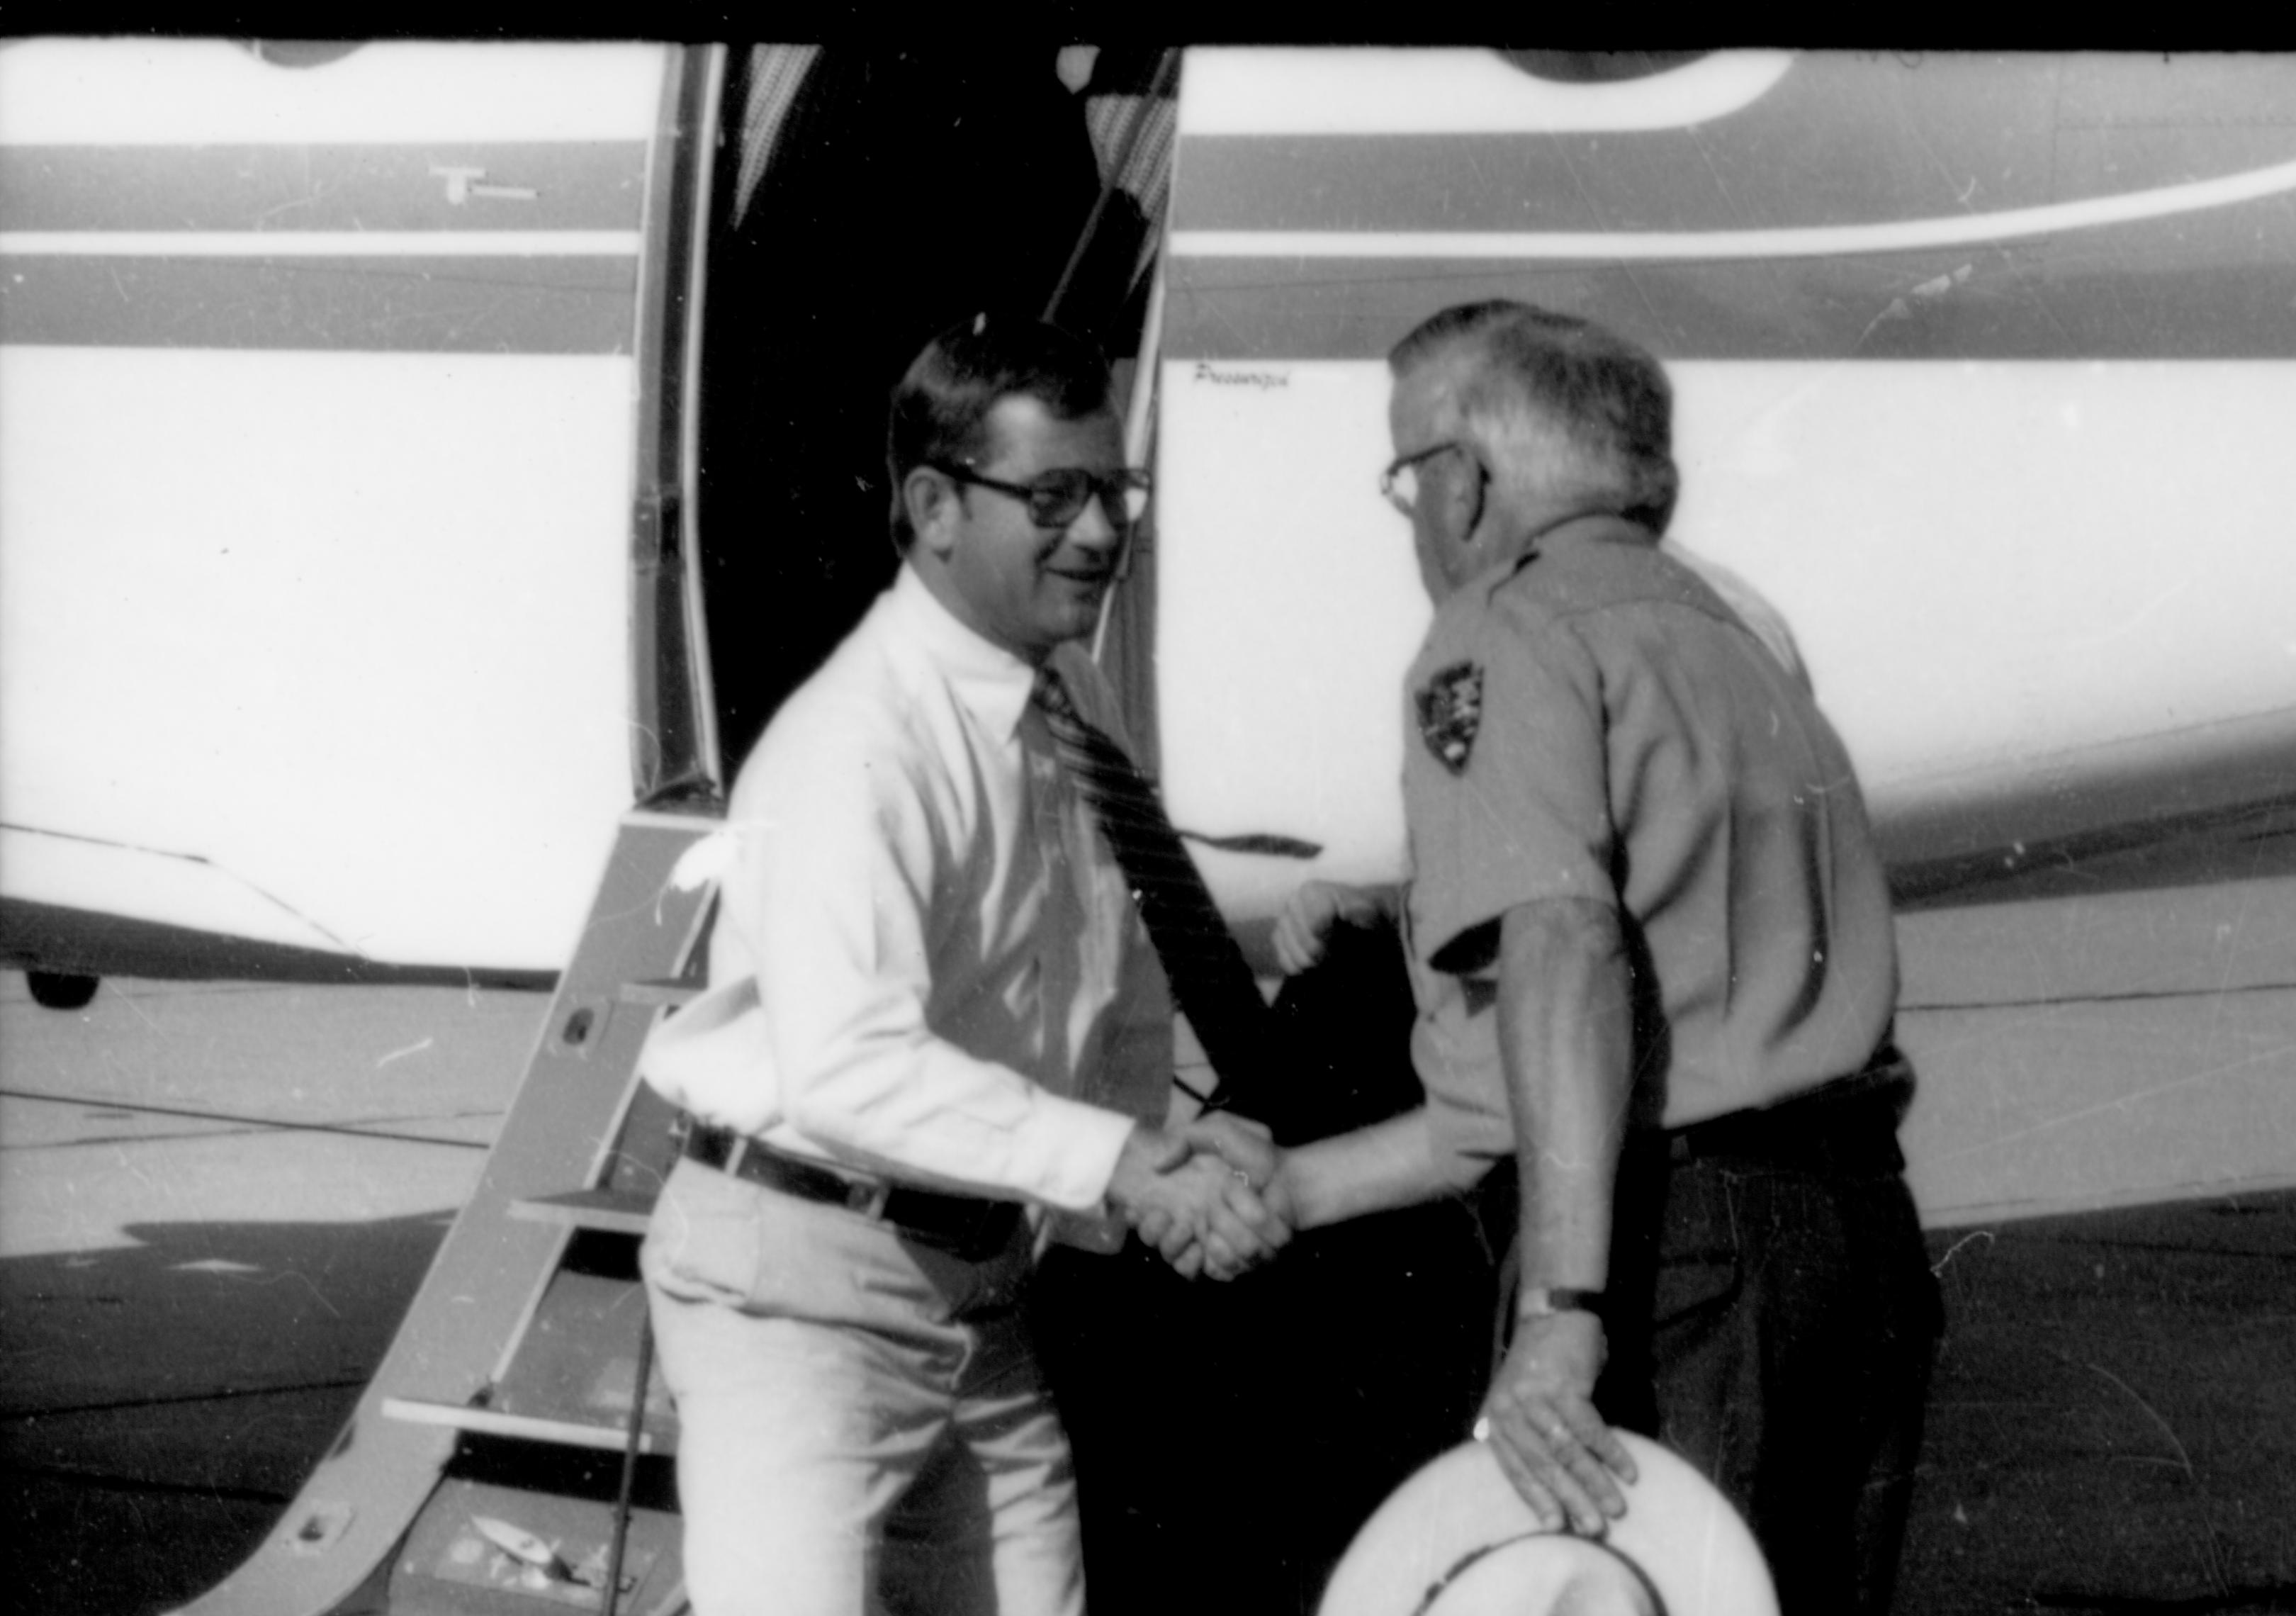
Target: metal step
{"points": [[613, 1211], [666, 991], [525, 1427]]}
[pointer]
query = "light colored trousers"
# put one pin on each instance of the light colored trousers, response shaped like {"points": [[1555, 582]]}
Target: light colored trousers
{"points": [[862, 1427]]}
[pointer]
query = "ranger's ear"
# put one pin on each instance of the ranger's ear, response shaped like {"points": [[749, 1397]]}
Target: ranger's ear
{"points": [[1467, 495]]}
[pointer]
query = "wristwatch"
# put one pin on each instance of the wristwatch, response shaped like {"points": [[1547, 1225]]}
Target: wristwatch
{"points": [[1536, 1301]]}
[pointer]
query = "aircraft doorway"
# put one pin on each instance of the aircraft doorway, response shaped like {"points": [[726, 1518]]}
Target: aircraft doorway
{"points": [[866, 199]]}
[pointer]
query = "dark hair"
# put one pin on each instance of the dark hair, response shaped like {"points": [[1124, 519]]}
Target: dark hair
{"points": [[942, 408], [1608, 395]]}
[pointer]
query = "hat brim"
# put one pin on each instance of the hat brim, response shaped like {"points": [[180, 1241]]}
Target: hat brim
{"points": [[1461, 1512]]}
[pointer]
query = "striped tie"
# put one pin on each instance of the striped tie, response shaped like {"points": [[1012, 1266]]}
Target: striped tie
{"points": [[1207, 970]]}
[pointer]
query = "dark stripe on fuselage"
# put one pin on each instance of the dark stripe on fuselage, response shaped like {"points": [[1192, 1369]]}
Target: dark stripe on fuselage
{"points": [[420, 305], [578, 185], [2214, 284], [1838, 139], [52, 937]]}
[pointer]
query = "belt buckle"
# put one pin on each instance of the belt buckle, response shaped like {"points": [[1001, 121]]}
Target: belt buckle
{"points": [[871, 1199]]}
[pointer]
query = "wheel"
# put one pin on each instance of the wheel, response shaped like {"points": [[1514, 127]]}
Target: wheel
{"points": [[62, 989]]}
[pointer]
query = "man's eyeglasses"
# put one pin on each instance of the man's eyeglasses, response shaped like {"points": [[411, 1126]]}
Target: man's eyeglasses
{"points": [[1399, 483], [1057, 498]]}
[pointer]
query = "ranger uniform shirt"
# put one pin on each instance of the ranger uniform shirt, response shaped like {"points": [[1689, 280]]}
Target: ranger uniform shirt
{"points": [[1594, 723]]}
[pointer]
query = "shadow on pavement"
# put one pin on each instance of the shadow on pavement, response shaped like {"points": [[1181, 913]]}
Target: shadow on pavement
{"points": [[161, 1403], [2113, 1427]]}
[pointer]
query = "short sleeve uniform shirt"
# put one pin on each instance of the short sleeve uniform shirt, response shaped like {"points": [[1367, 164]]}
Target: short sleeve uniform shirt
{"points": [[1594, 723]]}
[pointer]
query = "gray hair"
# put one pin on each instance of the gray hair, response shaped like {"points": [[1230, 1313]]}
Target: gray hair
{"points": [[1533, 382]]}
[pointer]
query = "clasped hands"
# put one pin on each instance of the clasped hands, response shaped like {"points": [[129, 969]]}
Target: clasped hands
{"points": [[1211, 1195], [1206, 1194]]}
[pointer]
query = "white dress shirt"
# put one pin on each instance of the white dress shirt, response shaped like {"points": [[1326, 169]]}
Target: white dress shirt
{"points": [[926, 963]]}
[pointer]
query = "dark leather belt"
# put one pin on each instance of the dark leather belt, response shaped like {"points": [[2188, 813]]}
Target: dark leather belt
{"points": [[964, 1226], [1847, 1125]]}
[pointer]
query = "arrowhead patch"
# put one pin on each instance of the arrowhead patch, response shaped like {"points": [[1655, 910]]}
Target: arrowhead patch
{"points": [[1450, 708]]}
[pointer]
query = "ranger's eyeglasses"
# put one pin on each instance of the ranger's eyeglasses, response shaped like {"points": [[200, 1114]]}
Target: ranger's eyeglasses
{"points": [[1399, 483]]}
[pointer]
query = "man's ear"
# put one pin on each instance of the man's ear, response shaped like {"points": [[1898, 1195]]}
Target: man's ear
{"points": [[931, 502], [1468, 493]]}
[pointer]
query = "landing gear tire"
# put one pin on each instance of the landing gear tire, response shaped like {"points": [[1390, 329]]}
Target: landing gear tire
{"points": [[61, 990]]}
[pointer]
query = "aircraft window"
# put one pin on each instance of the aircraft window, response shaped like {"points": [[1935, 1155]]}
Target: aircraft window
{"points": [[299, 52], [1598, 67]]}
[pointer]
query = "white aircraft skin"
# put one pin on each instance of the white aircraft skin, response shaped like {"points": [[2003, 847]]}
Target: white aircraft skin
{"points": [[319, 395], [2033, 556], [1983, 377], [324, 401]]}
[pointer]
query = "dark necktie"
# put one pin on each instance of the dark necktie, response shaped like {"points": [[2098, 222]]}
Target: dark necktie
{"points": [[1207, 970]]}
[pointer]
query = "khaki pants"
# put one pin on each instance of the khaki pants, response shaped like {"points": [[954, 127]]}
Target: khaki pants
{"points": [[824, 1365]]}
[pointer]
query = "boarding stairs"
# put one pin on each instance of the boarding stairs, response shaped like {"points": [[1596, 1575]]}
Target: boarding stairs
{"points": [[502, 1461]]}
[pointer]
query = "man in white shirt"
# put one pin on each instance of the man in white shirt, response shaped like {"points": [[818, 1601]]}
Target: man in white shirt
{"points": [[935, 1034]]}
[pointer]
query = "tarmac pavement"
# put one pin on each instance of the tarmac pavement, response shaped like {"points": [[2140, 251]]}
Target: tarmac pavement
{"points": [[216, 1199]]}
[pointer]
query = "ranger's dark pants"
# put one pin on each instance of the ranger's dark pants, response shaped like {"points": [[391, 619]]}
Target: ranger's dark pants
{"points": [[1774, 1320], [1231, 1438]]}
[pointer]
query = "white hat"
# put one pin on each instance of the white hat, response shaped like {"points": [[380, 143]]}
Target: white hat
{"points": [[1457, 1539]]}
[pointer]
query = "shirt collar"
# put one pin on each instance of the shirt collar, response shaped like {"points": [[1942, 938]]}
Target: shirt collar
{"points": [[1600, 525], [1597, 527], [990, 681]]}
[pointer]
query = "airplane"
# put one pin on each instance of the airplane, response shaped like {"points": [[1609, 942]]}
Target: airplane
{"points": [[357, 462], [362, 410], [332, 409]]}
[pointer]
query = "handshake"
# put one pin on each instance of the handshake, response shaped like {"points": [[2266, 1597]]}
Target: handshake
{"points": [[1208, 1195]]}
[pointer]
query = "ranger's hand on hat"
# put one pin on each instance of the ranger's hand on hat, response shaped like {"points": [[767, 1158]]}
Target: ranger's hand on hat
{"points": [[1540, 1422]]}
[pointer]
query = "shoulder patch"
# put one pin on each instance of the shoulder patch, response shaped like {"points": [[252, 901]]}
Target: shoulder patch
{"points": [[1450, 708]]}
